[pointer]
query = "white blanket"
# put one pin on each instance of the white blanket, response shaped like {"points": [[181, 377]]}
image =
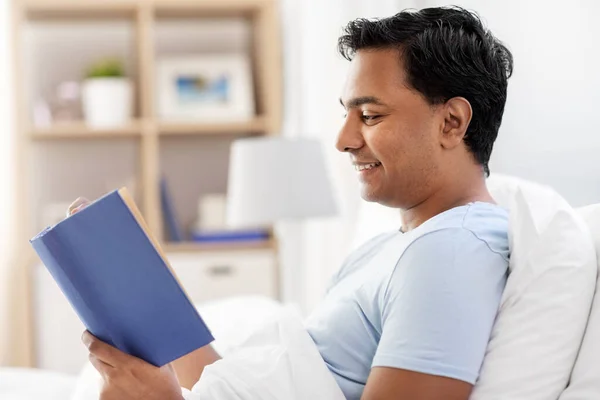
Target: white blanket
{"points": [[277, 361], [31, 384], [274, 359]]}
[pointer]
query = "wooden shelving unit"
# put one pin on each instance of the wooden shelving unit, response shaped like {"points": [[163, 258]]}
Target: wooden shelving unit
{"points": [[147, 139]]}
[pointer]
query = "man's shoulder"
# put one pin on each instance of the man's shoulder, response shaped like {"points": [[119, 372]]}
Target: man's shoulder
{"points": [[468, 244], [472, 216], [475, 223]]}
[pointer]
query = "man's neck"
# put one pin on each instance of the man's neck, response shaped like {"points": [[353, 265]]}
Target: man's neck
{"points": [[462, 191]]}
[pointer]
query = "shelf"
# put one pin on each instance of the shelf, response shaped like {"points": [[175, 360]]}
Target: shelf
{"points": [[47, 9], [79, 130], [195, 8], [255, 126], [53, 9], [191, 247]]}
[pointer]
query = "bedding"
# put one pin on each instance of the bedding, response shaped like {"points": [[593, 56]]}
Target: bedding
{"points": [[30, 384], [277, 361]]}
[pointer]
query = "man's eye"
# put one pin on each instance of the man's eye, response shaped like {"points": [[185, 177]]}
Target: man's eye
{"points": [[368, 118]]}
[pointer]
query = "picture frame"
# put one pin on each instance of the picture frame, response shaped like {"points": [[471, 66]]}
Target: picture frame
{"points": [[205, 88]]}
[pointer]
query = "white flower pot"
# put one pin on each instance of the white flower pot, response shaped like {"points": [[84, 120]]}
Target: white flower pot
{"points": [[107, 102]]}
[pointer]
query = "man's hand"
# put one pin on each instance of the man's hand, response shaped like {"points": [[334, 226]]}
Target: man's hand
{"points": [[130, 378]]}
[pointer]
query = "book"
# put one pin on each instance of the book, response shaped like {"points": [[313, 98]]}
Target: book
{"points": [[119, 281], [173, 228], [230, 236]]}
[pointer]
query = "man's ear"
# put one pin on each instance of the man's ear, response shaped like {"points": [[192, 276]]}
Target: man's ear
{"points": [[457, 116]]}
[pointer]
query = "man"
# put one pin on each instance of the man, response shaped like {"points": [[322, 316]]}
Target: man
{"points": [[410, 313]]}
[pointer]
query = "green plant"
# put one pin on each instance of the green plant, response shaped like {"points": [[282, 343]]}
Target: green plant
{"points": [[106, 68]]}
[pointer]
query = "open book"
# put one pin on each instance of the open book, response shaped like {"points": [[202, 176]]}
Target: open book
{"points": [[118, 280]]}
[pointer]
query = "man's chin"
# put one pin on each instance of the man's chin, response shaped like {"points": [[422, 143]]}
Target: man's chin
{"points": [[369, 195], [374, 196]]}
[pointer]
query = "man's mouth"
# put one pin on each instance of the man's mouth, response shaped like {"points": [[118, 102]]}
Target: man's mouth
{"points": [[364, 167]]}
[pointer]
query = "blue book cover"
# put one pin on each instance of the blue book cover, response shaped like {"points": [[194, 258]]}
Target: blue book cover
{"points": [[118, 280]]}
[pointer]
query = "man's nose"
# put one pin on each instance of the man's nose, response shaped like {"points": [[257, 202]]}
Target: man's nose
{"points": [[349, 137]]}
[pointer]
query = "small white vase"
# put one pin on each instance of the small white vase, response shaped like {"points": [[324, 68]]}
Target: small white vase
{"points": [[107, 102]]}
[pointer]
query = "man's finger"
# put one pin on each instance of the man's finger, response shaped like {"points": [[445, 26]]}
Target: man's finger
{"points": [[103, 351], [78, 204], [102, 367]]}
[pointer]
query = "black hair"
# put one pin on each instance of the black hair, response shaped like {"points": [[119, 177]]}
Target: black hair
{"points": [[447, 52]]}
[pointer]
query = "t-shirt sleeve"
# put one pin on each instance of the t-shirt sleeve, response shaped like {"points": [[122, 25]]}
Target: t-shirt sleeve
{"points": [[440, 305]]}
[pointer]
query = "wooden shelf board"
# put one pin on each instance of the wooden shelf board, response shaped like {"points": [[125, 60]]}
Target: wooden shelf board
{"points": [[78, 9], [254, 126], [194, 9], [48, 9], [78, 130], [191, 247]]}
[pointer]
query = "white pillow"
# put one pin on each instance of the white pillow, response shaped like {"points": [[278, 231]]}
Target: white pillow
{"points": [[546, 303], [585, 380]]}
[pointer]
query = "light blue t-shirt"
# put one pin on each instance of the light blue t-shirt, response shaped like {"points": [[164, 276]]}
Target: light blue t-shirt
{"points": [[423, 301]]}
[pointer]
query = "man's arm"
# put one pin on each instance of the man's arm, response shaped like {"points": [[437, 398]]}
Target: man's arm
{"points": [[189, 367], [399, 384]]}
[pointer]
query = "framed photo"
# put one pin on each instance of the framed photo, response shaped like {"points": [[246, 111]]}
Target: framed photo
{"points": [[205, 88]]}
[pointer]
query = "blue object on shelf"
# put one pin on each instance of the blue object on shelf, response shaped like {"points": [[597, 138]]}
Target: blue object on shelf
{"points": [[231, 236], [174, 231]]}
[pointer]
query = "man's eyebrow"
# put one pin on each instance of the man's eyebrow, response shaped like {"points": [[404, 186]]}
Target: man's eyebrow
{"points": [[359, 101]]}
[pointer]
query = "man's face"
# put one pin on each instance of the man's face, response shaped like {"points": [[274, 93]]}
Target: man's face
{"points": [[390, 131]]}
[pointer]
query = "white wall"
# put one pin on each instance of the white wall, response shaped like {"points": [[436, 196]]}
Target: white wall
{"points": [[550, 131]]}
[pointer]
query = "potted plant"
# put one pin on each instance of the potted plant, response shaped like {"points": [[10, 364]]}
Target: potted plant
{"points": [[107, 94]]}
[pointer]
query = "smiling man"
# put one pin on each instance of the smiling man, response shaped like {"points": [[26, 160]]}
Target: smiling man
{"points": [[409, 314]]}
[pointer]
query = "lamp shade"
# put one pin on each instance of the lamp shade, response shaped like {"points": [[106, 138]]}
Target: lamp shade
{"points": [[273, 179]]}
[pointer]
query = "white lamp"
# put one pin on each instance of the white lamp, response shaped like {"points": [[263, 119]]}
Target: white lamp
{"points": [[279, 181]]}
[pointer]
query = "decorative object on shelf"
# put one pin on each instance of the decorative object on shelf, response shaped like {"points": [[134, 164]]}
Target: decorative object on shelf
{"points": [[280, 181], [211, 212], [207, 88], [107, 95], [67, 103], [172, 224], [42, 115], [211, 227]]}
